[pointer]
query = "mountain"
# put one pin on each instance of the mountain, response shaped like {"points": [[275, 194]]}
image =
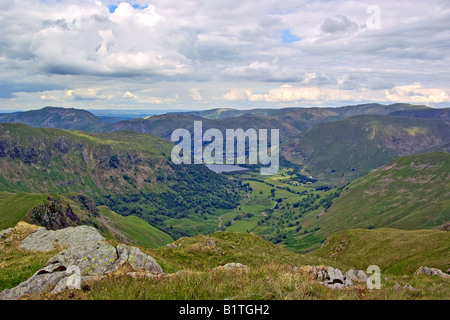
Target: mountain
{"points": [[428, 113], [343, 150], [290, 121], [163, 125], [347, 111], [377, 109], [408, 193], [129, 172], [51, 117]]}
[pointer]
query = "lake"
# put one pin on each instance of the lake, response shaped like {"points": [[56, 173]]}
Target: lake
{"points": [[218, 168]]}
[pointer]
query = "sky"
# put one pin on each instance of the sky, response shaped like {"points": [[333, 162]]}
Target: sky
{"points": [[204, 54]]}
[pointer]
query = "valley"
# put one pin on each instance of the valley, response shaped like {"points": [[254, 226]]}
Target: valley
{"points": [[354, 182]]}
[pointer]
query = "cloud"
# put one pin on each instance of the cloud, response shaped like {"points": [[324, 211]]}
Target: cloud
{"points": [[195, 95], [338, 24], [415, 93], [287, 93], [227, 50]]}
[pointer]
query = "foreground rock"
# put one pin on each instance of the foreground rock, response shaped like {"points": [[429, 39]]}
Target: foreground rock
{"points": [[431, 272], [334, 278], [41, 281], [46, 240], [231, 266], [3, 233], [87, 256]]}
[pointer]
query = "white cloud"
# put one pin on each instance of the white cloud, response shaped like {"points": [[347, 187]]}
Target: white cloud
{"points": [[174, 46], [195, 95], [288, 93], [415, 93]]}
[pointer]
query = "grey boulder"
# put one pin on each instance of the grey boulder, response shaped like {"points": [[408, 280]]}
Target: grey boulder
{"points": [[431, 272], [41, 281], [47, 240]]}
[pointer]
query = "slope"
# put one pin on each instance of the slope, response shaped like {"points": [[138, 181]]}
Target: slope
{"points": [[409, 193], [394, 251], [129, 172], [131, 229], [341, 151]]}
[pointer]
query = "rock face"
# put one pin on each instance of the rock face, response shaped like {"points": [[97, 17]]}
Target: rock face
{"points": [[431, 272], [53, 215], [87, 255]]}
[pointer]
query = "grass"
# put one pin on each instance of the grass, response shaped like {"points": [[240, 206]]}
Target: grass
{"points": [[197, 254], [270, 273], [16, 264], [395, 251], [269, 282], [14, 207]]}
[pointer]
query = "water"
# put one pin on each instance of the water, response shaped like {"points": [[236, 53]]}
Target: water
{"points": [[218, 168]]}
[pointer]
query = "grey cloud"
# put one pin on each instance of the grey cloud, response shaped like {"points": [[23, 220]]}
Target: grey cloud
{"points": [[195, 43], [338, 24]]}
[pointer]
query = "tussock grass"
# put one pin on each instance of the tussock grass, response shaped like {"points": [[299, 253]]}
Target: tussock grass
{"points": [[399, 252], [16, 264]]}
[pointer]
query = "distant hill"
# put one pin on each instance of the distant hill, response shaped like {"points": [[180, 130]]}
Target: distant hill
{"points": [[377, 109], [346, 111], [163, 125], [51, 117], [443, 114], [343, 150], [290, 121]]}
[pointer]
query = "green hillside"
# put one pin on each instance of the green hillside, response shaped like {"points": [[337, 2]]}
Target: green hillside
{"points": [[14, 207], [409, 193], [341, 151], [135, 230], [130, 229], [129, 172]]}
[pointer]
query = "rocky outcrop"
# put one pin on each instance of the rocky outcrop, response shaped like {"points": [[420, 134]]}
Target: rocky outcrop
{"points": [[431, 272], [93, 258], [53, 215], [334, 278], [398, 286], [137, 259], [3, 233], [46, 240], [87, 256]]}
